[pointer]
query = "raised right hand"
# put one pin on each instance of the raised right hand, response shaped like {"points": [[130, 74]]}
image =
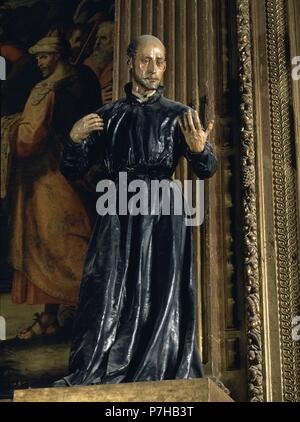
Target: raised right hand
{"points": [[85, 126]]}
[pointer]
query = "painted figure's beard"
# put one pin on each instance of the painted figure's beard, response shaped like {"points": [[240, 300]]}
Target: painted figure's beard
{"points": [[46, 72], [102, 58]]}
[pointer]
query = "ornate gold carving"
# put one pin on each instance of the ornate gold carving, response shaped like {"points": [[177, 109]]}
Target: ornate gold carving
{"points": [[252, 277], [284, 190]]}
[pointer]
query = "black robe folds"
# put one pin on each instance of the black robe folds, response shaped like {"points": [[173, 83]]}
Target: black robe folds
{"points": [[137, 313]]}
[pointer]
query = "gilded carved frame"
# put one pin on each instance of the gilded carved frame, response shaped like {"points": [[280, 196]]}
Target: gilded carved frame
{"points": [[248, 163], [261, 370]]}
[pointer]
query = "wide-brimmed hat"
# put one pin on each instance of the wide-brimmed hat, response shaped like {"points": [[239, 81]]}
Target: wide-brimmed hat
{"points": [[47, 45]]}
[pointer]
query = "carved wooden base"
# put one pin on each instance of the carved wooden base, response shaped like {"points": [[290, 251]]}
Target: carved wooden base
{"points": [[196, 390]]}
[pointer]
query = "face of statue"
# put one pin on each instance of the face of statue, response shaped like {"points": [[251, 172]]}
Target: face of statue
{"points": [[148, 66], [47, 63]]}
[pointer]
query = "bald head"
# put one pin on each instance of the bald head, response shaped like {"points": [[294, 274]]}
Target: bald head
{"points": [[141, 41]]}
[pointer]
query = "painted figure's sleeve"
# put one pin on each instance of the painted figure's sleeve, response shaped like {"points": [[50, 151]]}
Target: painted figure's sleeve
{"points": [[79, 157], [34, 128]]}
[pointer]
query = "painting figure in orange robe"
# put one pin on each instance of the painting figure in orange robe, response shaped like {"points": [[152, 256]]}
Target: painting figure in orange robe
{"points": [[50, 226]]}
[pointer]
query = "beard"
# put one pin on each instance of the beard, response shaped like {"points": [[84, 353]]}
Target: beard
{"points": [[101, 58], [145, 82], [46, 72]]}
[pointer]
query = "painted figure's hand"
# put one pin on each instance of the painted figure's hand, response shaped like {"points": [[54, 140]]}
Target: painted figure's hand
{"points": [[192, 130], [107, 94], [85, 126]]}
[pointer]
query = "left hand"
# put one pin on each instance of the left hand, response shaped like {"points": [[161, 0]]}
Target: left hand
{"points": [[192, 130]]}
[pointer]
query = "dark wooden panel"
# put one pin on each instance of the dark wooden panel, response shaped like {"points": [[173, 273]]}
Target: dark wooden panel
{"points": [[169, 40], [147, 17], [158, 19], [125, 38], [136, 24]]}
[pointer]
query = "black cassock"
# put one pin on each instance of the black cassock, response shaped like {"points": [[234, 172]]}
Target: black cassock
{"points": [[136, 314]]}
